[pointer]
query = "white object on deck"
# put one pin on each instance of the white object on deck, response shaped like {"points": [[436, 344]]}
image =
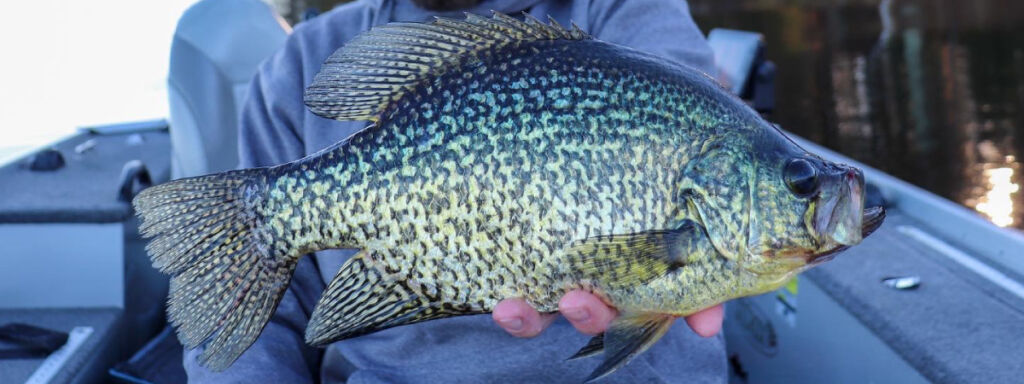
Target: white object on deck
{"points": [[967, 261], [56, 360]]}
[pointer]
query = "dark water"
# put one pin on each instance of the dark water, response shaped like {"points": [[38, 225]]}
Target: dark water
{"points": [[930, 91]]}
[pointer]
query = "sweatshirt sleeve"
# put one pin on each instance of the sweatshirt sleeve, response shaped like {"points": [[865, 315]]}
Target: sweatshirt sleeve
{"points": [[660, 27], [271, 119], [269, 135]]}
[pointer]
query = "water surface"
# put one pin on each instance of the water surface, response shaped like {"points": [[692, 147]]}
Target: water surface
{"points": [[930, 91]]}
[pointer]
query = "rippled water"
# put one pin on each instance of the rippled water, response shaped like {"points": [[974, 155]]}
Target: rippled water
{"points": [[930, 91]]}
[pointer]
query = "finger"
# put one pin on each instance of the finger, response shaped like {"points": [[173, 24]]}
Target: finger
{"points": [[519, 319], [707, 322], [586, 312]]}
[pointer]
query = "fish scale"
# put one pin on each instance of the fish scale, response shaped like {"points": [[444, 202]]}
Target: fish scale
{"points": [[395, 140], [505, 159]]}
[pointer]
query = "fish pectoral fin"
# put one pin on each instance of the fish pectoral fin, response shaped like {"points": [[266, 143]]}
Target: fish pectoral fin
{"points": [[636, 258], [628, 336], [360, 300], [593, 347]]}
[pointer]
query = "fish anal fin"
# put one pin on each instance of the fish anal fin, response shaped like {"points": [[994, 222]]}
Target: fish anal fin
{"points": [[628, 336], [362, 299], [359, 300]]}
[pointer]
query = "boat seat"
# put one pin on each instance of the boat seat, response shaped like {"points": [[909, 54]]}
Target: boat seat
{"points": [[742, 69], [216, 49]]}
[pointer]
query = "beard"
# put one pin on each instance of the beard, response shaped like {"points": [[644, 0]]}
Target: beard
{"points": [[445, 5]]}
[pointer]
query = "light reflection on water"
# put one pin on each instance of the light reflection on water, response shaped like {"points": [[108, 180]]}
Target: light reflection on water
{"points": [[930, 91], [997, 202]]}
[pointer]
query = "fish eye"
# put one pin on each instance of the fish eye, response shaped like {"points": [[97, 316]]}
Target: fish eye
{"points": [[801, 177]]}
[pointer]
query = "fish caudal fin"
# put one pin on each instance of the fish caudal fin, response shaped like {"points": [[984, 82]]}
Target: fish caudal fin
{"points": [[361, 300], [225, 281]]}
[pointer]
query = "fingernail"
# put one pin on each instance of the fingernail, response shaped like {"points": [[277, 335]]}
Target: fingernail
{"points": [[514, 324], [576, 314]]}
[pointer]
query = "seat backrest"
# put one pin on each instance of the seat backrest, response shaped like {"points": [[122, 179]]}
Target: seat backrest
{"points": [[217, 47], [736, 54]]}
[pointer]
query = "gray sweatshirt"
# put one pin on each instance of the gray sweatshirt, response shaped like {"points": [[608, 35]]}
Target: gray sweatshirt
{"points": [[277, 128]]}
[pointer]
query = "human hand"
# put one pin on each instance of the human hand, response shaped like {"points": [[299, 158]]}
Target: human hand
{"points": [[587, 313]]}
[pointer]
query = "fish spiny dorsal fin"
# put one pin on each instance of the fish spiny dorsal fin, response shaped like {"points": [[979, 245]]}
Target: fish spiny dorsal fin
{"points": [[376, 68]]}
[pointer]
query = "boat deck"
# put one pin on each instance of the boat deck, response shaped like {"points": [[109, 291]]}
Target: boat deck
{"points": [[956, 326], [88, 362]]}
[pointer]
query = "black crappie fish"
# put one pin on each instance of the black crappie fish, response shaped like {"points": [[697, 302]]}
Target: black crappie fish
{"points": [[506, 159]]}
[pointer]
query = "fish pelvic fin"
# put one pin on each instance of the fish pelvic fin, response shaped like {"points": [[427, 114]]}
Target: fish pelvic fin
{"points": [[361, 79], [362, 299], [594, 346], [627, 337], [226, 280]]}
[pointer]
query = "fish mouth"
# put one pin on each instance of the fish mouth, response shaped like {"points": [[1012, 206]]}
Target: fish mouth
{"points": [[872, 220], [839, 217]]}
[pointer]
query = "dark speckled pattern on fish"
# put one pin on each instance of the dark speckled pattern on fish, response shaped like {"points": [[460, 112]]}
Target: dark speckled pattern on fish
{"points": [[506, 159], [474, 184]]}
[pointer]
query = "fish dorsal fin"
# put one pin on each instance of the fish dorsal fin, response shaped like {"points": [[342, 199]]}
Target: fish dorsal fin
{"points": [[366, 75]]}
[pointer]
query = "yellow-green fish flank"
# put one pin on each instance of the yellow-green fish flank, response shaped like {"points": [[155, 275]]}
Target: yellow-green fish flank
{"points": [[505, 159]]}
